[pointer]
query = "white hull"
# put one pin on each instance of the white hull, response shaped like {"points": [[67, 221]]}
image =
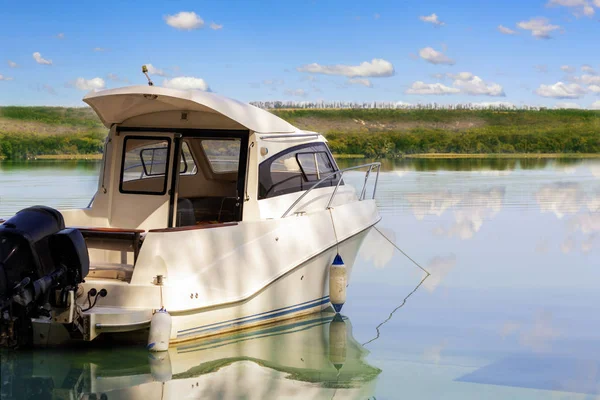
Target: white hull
{"points": [[281, 284]]}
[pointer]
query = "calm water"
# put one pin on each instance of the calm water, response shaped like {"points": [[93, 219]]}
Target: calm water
{"points": [[510, 309]]}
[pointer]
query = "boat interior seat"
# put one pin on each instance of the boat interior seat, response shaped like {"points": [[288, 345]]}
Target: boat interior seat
{"points": [[185, 213], [220, 209]]}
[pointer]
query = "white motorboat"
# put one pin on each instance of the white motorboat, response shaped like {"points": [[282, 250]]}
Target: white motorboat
{"points": [[218, 212], [312, 357]]}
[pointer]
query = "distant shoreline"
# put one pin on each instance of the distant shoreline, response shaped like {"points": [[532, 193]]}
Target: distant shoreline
{"points": [[53, 133], [97, 157]]}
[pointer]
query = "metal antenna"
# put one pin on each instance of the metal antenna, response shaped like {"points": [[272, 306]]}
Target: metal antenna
{"points": [[145, 71]]}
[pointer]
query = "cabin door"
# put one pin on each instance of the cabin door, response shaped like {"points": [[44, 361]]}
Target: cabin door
{"points": [[142, 194]]}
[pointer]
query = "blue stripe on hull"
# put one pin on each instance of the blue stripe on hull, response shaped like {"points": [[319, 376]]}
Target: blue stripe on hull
{"points": [[253, 318]]}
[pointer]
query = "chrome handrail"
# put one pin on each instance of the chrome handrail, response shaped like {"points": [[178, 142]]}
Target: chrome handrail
{"points": [[372, 166]]}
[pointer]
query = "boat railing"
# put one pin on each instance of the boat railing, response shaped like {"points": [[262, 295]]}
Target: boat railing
{"points": [[375, 166]]}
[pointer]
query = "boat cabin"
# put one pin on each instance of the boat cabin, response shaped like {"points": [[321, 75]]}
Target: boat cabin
{"points": [[177, 160]]}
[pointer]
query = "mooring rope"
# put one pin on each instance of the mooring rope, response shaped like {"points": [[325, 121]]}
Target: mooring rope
{"points": [[407, 297], [337, 242], [400, 250], [395, 309]]}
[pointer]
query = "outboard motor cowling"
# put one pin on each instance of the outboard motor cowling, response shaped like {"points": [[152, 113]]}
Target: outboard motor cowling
{"points": [[37, 257]]}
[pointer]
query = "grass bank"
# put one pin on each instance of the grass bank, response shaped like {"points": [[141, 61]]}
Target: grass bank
{"points": [[37, 132], [399, 133], [31, 132]]}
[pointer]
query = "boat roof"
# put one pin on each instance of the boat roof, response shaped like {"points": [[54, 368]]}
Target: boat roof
{"points": [[114, 106]]}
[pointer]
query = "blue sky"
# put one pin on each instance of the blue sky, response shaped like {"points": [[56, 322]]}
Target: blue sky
{"points": [[305, 50]]}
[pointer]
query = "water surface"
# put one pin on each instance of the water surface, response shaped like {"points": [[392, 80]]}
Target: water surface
{"points": [[510, 309]]}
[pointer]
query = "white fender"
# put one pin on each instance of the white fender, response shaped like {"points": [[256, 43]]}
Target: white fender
{"points": [[337, 283], [337, 341], [160, 331], [160, 366]]}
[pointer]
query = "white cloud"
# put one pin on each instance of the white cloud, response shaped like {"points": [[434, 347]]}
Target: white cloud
{"points": [[541, 335], [471, 84], [461, 76], [478, 87], [579, 7], [185, 21], [88, 84], [152, 70], [5, 78], [439, 268], [595, 105], [560, 198], [430, 88], [540, 27], [360, 81], [507, 31], [567, 105], [12, 64], [187, 83], [435, 57], [432, 19], [60, 36], [589, 79], [594, 89], [295, 92], [589, 69], [40, 60], [377, 249], [483, 205], [568, 69], [561, 90], [100, 49], [376, 68], [433, 354], [215, 27], [543, 69]]}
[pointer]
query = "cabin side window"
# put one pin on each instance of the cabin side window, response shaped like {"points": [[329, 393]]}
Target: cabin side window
{"points": [[296, 169], [145, 165], [223, 155]]}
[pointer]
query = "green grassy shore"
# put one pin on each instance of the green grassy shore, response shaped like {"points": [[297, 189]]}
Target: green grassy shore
{"points": [[53, 132]]}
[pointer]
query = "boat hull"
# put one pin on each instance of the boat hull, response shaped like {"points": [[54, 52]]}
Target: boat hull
{"points": [[304, 290], [226, 279]]}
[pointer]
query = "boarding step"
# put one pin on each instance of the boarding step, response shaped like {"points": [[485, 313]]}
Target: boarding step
{"points": [[114, 319], [118, 271]]}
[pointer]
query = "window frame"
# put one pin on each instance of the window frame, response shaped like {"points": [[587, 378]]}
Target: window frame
{"points": [[186, 161], [167, 165], [295, 149], [316, 160]]}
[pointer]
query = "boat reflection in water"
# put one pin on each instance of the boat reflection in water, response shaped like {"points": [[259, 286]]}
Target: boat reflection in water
{"points": [[312, 357]]}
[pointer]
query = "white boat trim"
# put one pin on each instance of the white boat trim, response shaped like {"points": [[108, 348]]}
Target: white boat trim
{"points": [[264, 316]]}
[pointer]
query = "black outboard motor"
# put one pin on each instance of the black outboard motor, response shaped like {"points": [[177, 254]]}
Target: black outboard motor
{"points": [[40, 262]]}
